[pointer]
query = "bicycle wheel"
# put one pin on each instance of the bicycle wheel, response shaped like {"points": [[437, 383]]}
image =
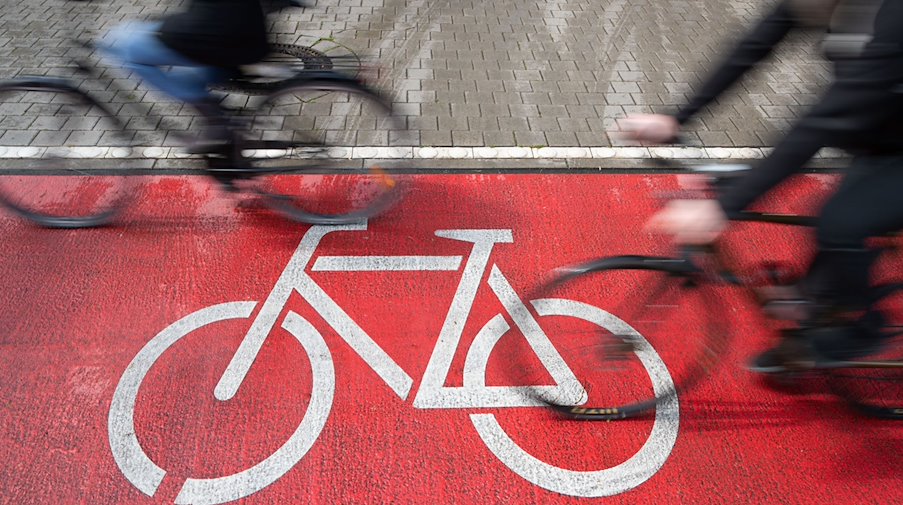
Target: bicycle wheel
{"points": [[874, 385], [659, 317], [315, 149], [52, 172]]}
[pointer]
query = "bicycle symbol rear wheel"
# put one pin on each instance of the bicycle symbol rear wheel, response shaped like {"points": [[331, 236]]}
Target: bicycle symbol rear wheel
{"points": [[668, 313], [519, 373], [145, 475]]}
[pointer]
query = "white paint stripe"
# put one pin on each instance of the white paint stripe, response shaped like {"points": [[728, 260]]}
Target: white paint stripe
{"points": [[604, 482], [211, 491], [386, 263], [426, 153], [131, 458]]}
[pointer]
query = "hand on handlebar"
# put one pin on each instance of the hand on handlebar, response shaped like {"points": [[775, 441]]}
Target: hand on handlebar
{"points": [[648, 128], [690, 222]]}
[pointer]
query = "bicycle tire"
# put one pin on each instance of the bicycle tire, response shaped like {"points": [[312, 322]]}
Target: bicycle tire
{"points": [[58, 179], [874, 385], [302, 138], [614, 367]]}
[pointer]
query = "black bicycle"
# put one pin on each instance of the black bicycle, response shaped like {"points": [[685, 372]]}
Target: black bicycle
{"points": [[667, 326], [309, 149]]}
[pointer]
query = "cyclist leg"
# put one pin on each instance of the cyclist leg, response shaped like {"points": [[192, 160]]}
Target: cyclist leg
{"points": [[867, 204], [138, 48]]}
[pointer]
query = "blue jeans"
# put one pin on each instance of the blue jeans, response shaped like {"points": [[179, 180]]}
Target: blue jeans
{"points": [[136, 46]]}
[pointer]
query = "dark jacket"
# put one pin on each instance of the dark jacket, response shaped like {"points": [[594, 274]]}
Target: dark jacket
{"points": [[862, 110], [223, 33]]}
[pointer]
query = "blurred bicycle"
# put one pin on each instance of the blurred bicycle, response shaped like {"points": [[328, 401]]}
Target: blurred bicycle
{"points": [[293, 150], [675, 308]]}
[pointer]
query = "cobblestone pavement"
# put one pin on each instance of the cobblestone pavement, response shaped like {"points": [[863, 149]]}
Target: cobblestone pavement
{"points": [[465, 73]]}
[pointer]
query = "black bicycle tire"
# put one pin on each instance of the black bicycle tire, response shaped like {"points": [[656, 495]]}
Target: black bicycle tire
{"points": [[337, 83], [51, 221], [676, 270], [838, 377]]}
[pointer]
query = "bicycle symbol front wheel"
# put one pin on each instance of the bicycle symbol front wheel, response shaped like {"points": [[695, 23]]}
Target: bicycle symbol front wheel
{"points": [[669, 313], [521, 365], [145, 475]]}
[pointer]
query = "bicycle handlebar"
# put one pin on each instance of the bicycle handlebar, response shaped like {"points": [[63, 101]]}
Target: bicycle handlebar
{"points": [[718, 176]]}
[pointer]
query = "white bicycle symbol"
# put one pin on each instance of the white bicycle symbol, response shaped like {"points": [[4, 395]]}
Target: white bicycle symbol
{"points": [[145, 475]]}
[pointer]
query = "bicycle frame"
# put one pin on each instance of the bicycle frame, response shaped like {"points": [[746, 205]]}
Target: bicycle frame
{"points": [[724, 263], [432, 393]]}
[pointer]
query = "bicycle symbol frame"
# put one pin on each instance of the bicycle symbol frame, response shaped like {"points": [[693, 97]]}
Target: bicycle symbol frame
{"points": [[146, 476]]}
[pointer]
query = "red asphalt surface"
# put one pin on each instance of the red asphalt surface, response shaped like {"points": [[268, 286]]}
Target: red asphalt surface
{"points": [[80, 305]]}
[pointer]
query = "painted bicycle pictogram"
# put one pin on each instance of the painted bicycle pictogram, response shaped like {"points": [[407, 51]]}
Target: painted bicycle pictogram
{"points": [[433, 393]]}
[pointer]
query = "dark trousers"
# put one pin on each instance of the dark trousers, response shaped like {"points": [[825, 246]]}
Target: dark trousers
{"points": [[868, 203]]}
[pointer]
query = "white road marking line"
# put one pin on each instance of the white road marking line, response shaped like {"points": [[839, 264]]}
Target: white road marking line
{"points": [[425, 153]]}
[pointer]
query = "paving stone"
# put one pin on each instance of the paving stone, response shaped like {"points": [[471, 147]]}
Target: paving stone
{"points": [[423, 123], [84, 138], [507, 98], [483, 124], [529, 138], [710, 138], [436, 138], [498, 138], [50, 138], [561, 138], [470, 71], [467, 138]]}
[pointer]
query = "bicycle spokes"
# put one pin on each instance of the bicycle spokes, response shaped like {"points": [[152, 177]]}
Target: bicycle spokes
{"points": [[332, 132], [658, 339]]}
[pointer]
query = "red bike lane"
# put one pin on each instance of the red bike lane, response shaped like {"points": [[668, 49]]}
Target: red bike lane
{"points": [[366, 387]]}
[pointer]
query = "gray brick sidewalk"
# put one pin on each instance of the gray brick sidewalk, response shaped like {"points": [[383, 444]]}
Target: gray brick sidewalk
{"points": [[475, 73]]}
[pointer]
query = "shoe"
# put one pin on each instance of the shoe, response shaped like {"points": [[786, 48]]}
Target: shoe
{"points": [[768, 362], [793, 352], [847, 342]]}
